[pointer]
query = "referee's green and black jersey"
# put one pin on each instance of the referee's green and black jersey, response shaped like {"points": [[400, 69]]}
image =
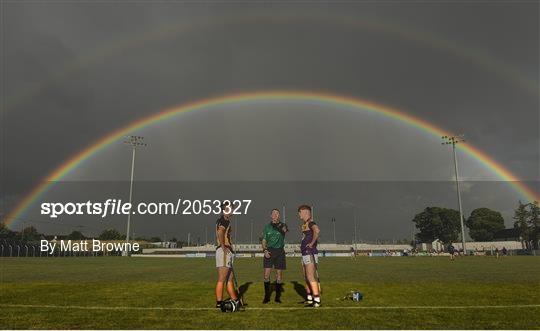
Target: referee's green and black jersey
{"points": [[274, 235]]}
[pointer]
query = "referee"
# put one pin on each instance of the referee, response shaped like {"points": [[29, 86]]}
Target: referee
{"points": [[274, 254]]}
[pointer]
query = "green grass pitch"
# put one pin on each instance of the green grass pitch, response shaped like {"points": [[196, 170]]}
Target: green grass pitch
{"points": [[172, 293]]}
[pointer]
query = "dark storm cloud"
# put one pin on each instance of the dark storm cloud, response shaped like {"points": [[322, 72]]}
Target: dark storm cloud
{"points": [[108, 89]]}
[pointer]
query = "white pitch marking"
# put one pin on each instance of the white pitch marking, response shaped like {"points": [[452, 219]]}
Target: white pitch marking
{"points": [[270, 308]]}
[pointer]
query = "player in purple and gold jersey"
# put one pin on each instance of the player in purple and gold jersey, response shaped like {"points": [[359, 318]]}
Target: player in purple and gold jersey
{"points": [[308, 247]]}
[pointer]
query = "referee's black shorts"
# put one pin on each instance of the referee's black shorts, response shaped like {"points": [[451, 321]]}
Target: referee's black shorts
{"points": [[277, 259]]}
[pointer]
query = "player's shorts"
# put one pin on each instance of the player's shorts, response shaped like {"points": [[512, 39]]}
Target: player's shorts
{"points": [[277, 259], [307, 259], [222, 260]]}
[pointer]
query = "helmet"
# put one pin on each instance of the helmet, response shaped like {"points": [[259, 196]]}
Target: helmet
{"points": [[354, 296], [357, 296], [229, 306]]}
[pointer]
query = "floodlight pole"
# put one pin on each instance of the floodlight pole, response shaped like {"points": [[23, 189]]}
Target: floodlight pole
{"points": [[284, 220], [235, 230], [454, 140], [251, 233], [134, 142], [355, 237], [130, 190], [334, 226]]}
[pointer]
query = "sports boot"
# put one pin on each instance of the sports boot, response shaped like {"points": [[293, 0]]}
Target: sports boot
{"points": [[267, 292], [279, 289]]}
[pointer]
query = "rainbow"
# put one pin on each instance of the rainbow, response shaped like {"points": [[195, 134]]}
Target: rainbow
{"points": [[119, 46], [318, 97]]}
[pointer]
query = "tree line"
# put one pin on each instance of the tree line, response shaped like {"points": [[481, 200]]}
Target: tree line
{"points": [[30, 233], [483, 223]]}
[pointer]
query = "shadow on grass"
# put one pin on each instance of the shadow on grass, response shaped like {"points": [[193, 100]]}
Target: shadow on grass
{"points": [[300, 289], [244, 288]]}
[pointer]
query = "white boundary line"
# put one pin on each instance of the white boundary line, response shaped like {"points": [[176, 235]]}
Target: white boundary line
{"points": [[269, 308]]}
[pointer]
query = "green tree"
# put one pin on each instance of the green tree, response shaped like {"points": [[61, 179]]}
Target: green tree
{"points": [[527, 223], [111, 234], [29, 233], [484, 223], [520, 223], [76, 235], [155, 239], [534, 223], [5, 232], [437, 223]]}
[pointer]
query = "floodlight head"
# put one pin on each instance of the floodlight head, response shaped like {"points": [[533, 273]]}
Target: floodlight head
{"points": [[135, 141]]}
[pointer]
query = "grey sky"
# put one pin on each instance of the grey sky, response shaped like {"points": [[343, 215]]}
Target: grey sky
{"points": [[74, 72]]}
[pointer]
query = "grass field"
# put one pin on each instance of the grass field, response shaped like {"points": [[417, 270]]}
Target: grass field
{"points": [[171, 293]]}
